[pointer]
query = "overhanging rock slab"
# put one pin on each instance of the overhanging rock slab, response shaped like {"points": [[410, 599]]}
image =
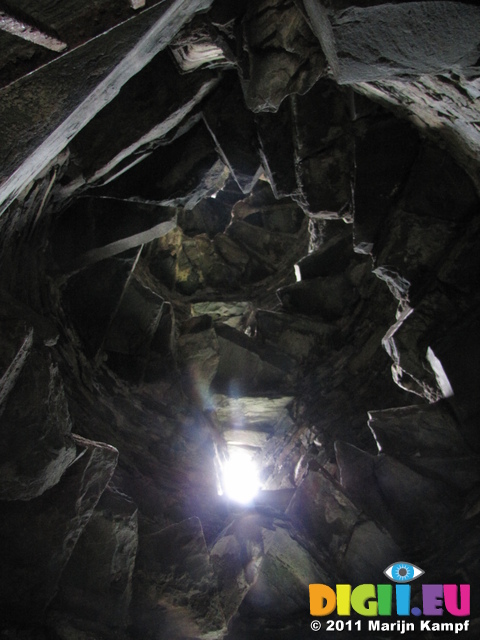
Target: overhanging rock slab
{"points": [[43, 111], [97, 228], [392, 39], [48, 530]]}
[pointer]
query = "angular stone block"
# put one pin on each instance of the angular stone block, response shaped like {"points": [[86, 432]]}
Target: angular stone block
{"points": [[408, 340], [267, 247], [262, 569], [326, 182], [246, 366], [461, 474], [97, 581], [36, 446], [333, 257], [92, 296], [262, 209], [238, 437], [136, 320], [277, 150], [384, 156], [370, 550], [280, 586], [252, 413], [283, 54], [148, 107], [130, 337], [357, 477], [325, 513], [209, 216], [416, 501], [298, 336], [407, 503], [41, 534], [425, 430], [93, 229], [175, 591], [233, 129], [217, 262], [324, 151], [161, 356], [379, 40], [75, 87], [198, 357], [192, 264], [329, 297], [235, 314], [179, 174], [409, 251]]}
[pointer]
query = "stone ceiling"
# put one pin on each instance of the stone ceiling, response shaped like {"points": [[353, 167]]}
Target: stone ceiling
{"points": [[234, 224]]}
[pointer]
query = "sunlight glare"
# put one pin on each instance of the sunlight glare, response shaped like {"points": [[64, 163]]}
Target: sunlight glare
{"points": [[240, 476]]}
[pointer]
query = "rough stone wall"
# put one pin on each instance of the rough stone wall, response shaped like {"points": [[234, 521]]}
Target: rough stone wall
{"points": [[249, 234]]}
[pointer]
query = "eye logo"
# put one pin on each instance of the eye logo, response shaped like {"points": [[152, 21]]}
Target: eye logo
{"points": [[403, 572], [377, 600]]}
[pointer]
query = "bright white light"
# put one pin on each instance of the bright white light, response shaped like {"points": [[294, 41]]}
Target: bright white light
{"points": [[442, 378], [240, 476]]}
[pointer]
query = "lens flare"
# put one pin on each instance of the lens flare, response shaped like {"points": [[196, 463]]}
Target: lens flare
{"points": [[240, 476]]}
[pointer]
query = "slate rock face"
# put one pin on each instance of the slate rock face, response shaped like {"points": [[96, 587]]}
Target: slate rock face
{"points": [[370, 550], [458, 353], [324, 511], [96, 585], [418, 430], [183, 173], [175, 593], [233, 130], [115, 56], [93, 295], [48, 529], [276, 65], [199, 358], [265, 238], [147, 109], [391, 146], [277, 149], [37, 446], [249, 366], [98, 228], [262, 568], [403, 501], [45, 453], [324, 151], [370, 42]]}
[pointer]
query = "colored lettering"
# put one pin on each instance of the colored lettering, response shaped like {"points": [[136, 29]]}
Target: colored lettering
{"points": [[372, 600], [344, 592], [432, 599], [402, 596], [384, 598], [451, 599], [322, 600], [361, 595]]}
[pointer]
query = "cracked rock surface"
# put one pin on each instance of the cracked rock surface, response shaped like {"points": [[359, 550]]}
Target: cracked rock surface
{"points": [[235, 227]]}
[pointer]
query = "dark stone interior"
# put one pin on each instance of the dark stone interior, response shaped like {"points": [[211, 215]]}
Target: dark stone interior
{"points": [[235, 224]]}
